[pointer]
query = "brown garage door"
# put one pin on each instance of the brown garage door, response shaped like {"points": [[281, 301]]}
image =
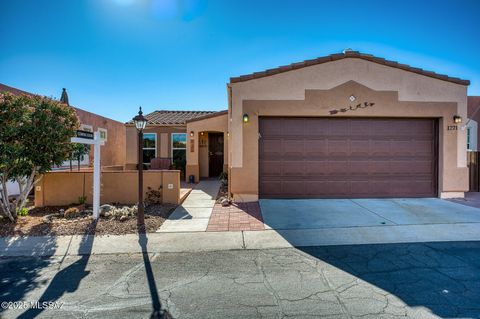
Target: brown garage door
{"points": [[353, 157]]}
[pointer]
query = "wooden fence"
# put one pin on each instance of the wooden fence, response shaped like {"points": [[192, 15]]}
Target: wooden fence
{"points": [[473, 164]]}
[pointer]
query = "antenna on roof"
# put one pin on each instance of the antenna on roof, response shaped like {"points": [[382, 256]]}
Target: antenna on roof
{"points": [[347, 50]]}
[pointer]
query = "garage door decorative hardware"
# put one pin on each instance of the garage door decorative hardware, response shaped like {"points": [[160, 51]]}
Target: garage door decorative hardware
{"points": [[352, 108]]}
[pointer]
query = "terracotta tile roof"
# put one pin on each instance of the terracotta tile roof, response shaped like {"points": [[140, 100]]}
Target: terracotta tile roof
{"points": [[208, 116], [167, 118], [346, 55]]}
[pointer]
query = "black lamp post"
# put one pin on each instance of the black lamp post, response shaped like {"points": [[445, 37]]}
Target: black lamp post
{"points": [[140, 123]]}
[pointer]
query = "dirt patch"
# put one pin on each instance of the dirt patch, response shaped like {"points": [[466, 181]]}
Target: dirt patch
{"points": [[34, 224]]}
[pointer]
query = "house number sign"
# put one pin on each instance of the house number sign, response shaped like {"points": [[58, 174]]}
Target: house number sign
{"points": [[452, 128], [352, 108]]}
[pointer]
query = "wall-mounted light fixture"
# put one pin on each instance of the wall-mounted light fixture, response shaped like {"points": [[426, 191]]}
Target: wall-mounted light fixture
{"points": [[228, 133], [245, 118], [201, 133], [457, 119], [192, 134]]}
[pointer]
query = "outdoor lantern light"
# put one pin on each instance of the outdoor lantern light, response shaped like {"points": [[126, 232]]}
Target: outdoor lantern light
{"points": [[245, 118], [191, 133], [140, 123], [457, 119], [201, 133]]}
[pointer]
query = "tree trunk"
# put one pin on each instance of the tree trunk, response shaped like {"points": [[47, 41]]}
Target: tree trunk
{"points": [[24, 191], [5, 204]]}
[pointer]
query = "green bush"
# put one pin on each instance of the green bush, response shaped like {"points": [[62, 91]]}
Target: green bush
{"points": [[82, 200], [223, 177], [23, 212]]}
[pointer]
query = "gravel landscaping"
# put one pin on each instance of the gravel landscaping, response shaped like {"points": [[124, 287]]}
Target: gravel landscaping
{"points": [[50, 221]]}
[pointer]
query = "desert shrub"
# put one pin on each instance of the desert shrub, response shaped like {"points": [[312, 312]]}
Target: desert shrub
{"points": [[223, 178], [82, 200], [22, 212], [72, 212], [153, 196]]}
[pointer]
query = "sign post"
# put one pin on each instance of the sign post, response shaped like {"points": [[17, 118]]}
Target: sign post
{"points": [[96, 141]]}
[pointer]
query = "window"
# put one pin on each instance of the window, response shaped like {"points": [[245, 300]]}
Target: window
{"points": [[103, 134], [468, 138], [149, 147], [179, 150]]}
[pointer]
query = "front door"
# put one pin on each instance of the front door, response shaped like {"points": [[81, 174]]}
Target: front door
{"points": [[215, 154]]}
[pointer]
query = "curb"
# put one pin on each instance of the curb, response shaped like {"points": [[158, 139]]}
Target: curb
{"points": [[241, 240]]}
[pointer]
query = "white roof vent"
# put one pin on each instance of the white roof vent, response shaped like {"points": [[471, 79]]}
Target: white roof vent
{"points": [[347, 50]]}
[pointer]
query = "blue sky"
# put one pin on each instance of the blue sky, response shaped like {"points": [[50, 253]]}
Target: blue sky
{"points": [[114, 55]]}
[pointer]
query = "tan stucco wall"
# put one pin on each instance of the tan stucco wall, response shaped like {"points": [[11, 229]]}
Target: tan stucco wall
{"points": [[197, 158], [116, 187], [315, 90], [164, 140], [113, 152]]}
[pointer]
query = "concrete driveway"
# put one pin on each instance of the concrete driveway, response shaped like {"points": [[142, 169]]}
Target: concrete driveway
{"points": [[339, 213], [325, 222]]}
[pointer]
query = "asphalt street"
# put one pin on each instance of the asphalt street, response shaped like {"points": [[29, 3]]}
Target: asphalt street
{"points": [[421, 280]]}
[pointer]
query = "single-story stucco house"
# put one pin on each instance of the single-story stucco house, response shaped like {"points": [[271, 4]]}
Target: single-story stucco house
{"points": [[345, 125], [166, 137]]}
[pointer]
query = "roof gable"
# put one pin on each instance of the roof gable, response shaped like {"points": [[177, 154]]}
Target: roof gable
{"points": [[346, 55]]}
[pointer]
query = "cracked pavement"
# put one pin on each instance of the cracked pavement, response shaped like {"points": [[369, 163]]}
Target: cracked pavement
{"points": [[419, 280]]}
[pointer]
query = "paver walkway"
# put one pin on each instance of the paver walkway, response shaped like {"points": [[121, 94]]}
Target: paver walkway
{"points": [[236, 217], [194, 213]]}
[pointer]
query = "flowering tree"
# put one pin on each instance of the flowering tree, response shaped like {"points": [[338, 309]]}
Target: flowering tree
{"points": [[35, 134]]}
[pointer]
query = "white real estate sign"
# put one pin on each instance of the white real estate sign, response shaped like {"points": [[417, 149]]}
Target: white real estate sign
{"points": [[96, 142]]}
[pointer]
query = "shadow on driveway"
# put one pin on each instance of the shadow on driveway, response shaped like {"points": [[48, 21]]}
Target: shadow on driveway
{"points": [[443, 277]]}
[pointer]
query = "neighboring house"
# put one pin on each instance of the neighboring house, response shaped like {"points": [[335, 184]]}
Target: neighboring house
{"points": [[473, 134], [165, 137], [113, 152]]}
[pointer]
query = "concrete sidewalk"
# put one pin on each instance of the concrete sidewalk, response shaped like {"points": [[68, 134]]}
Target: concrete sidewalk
{"points": [[124, 244], [194, 213], [216, 241]]}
